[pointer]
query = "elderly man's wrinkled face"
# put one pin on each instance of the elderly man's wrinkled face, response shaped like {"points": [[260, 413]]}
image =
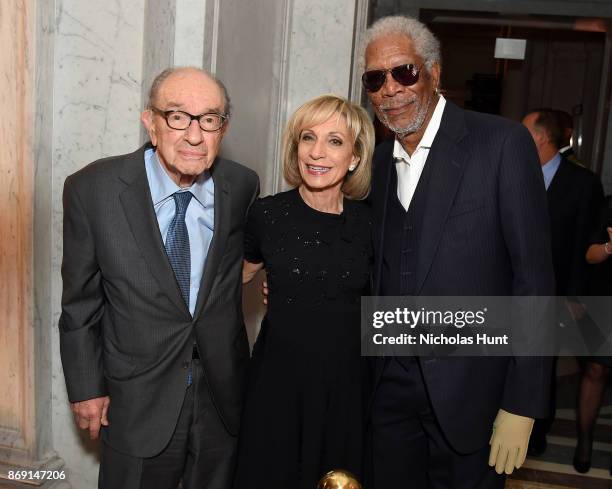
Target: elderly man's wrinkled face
{"points": [[187, 153], [403, 109]]}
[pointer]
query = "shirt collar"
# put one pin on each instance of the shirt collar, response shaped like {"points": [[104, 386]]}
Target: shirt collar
{"points": [[552, 164], [549, 169], [428, 136], [162, 186]]}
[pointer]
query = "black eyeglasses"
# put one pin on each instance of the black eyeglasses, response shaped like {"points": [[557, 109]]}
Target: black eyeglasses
{"points": [[407, 75], [179, 120]]}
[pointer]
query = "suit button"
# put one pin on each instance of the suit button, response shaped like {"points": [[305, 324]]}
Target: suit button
{"points": [[185, 365]]}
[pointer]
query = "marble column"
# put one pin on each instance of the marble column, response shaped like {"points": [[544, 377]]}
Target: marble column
{"points": [[158, 44], [194, 32], [177, 33], [17, 437], [323, 52], [26, 32]]}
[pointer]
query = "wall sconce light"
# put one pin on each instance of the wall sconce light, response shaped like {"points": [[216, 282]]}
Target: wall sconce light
{"points": [[510, 48]]}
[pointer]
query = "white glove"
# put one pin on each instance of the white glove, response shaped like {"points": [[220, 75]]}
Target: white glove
{"points": [[509, 441]]}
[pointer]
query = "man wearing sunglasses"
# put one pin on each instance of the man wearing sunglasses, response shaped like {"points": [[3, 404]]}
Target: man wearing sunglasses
{"points": [[152, 335], [459, 209]]}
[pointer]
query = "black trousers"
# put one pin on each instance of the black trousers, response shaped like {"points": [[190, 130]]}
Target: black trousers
{"points": [[542, 426], [200, 454], [408, 449]]}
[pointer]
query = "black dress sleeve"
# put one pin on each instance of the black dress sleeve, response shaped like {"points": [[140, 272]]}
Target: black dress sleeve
{"points": [[252, 233]]}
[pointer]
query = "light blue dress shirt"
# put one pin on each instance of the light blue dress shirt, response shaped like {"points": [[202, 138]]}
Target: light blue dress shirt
{"points": [[550, 168], [199, 218]]}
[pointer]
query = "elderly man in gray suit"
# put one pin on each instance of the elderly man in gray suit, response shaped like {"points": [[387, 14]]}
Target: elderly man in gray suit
{"points": [[152, 334]]}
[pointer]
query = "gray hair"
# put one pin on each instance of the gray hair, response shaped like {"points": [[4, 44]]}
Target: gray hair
{"points": [[159, 80], [426, 44]]}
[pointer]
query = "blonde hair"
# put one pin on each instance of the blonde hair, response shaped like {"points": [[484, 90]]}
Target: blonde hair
{"points": [[338, 479], [356, 185]]}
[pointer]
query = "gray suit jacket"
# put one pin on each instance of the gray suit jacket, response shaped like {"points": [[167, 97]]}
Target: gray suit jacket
{"points": [[124, 329]]}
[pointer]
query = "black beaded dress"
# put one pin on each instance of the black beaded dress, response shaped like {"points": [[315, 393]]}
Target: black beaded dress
{"points": [[303, 414]]}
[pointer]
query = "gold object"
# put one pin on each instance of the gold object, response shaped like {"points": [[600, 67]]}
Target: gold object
{"points": [[338, 479]]}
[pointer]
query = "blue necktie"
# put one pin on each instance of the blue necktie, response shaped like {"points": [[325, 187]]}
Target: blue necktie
{"points": [[177, 244]]}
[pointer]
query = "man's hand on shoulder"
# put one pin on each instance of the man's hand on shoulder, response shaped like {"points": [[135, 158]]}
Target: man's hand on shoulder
{"points": [[91, 414]]}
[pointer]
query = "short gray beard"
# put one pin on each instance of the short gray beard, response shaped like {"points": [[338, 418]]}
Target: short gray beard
{"points": [[412, 127]]}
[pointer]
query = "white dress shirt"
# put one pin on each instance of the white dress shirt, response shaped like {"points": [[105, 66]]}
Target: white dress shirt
{"points": [[409, 168]]}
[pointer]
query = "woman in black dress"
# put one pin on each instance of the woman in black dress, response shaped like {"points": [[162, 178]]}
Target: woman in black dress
{"points": [[302, 415], [595, 370]]}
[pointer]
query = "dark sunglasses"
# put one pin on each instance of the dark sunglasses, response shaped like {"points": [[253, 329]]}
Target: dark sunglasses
{"points": [[407, 75]]}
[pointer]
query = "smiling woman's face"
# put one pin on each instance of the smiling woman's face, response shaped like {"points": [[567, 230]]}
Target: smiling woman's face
{"points": [[325, 152]]}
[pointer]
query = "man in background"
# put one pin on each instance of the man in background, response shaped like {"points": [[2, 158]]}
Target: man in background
{"points": [[574, 198]]}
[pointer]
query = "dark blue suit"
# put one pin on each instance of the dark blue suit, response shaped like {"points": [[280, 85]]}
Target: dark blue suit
{"points": [[480, 228]]}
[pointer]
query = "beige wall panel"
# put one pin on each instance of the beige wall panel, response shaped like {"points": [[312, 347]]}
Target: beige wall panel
{"points": [[16, 406]]}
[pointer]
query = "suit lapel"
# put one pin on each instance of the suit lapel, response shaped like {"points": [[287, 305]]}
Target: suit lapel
{"points": [[222, 225], [447, 161], [382, 175], [138, 208]]}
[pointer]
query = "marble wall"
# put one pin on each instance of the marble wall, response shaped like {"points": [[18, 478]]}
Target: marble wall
{"points": [[189, 29], [248, 60], [321, 50], [96, 107]]}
